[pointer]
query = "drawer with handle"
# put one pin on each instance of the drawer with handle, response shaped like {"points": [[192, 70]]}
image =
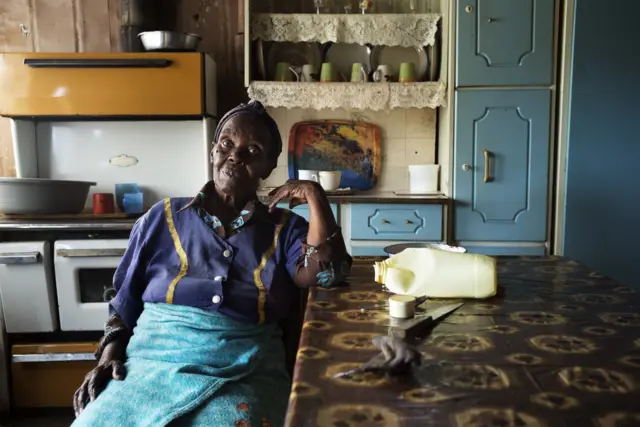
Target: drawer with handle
{"points": [[396, 222], [27, 287], [47, 375]]}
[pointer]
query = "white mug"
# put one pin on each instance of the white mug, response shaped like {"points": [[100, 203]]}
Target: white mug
{"points": [[304, 73], [330, 180], [382, 74], [308, 175], [307, 73]]}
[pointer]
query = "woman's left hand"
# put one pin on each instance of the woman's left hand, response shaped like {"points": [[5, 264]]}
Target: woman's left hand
{"points": [[297, 191]]}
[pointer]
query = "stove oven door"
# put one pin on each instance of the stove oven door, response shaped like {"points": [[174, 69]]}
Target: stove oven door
{"points": [[27, 287], [84, 275]]}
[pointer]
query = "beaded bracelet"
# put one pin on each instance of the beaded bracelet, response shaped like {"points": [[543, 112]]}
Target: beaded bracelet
{"points": [[111, 334]]}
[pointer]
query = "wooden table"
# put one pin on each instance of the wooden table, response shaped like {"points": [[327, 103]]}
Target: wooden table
{"points": [[559, 346]]}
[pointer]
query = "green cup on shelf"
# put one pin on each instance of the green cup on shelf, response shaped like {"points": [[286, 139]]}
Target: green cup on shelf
{"points": [[407, 72], [327, 73], [358, 74], [283, 72]]}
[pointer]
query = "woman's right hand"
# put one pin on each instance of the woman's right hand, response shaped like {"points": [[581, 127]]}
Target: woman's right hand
{"points": [[110, 366]]}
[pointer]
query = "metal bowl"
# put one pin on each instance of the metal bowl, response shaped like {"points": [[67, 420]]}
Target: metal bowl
{"points": [[36, 196], [169, 41], [399, 247]]}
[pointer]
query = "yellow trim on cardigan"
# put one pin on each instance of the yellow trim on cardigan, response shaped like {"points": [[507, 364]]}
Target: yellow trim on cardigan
{"points": [[262, 291], [184, 263]]}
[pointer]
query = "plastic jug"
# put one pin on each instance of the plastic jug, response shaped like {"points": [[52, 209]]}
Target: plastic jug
{"points": [[438, 274]]}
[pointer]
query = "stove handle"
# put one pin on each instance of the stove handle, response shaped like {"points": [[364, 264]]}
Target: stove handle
{"points": [[97, 63], [20, 258], [52, 357], [90, 253]]}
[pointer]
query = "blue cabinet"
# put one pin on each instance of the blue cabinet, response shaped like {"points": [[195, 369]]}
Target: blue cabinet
{"points": [[504, 42], [396, 222], [501, 165]]}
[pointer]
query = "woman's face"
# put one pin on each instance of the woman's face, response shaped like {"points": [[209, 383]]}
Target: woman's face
{"points": [[241, 155]]}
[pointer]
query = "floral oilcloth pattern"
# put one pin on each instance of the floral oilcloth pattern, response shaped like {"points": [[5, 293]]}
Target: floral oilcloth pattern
{"points": [[559, 346]]}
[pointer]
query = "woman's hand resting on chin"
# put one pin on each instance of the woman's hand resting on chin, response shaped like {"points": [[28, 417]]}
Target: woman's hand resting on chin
{"points": [[298, 192]]}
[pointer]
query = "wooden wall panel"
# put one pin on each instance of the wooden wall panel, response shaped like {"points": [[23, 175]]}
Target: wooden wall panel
{"points": [[114, 24], [217, 23], [55, 27], [15, 26], [93, 26]]}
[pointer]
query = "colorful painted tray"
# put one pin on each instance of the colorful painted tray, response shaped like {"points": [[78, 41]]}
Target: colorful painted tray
{"points": [[337, 145]]}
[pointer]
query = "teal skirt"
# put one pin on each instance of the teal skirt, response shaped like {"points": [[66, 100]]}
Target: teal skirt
{"points": [[191, 367]]}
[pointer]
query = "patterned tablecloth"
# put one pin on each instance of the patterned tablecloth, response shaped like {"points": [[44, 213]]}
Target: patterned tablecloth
{"points": [[559, 346]]}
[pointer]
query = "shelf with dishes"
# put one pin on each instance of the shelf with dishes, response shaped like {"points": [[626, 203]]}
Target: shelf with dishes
{"points": [[346, 61]]}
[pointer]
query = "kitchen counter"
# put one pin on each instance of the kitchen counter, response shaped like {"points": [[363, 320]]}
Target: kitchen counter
{"points": [[387, 197], [66, 225], [126, 224], [557, 347]]}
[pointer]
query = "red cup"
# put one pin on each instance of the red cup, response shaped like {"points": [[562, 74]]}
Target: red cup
{"points": [[103, 203]]}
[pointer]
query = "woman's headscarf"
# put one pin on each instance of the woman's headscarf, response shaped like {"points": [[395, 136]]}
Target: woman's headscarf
{"points": [[257, 110]]}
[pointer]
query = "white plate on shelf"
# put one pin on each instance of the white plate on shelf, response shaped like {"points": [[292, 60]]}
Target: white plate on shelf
{"points": [[262, 69], [344, 55], [434, 61], [393, 56], [296, 54]]}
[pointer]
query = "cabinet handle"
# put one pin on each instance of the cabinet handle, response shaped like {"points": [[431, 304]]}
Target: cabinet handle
{"points": [[52, 357], [487, 166], [466, 167], [408, 221], [97, 63], [20, 258], [89, 253], [490, 20], [385, 221]]}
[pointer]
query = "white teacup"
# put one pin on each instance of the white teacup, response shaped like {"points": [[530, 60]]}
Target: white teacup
{"points": [[308, 175], [382, 74], [330, 180]]}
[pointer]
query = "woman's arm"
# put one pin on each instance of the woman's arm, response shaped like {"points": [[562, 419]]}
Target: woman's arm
{"points": [[322, 224], [129, 278], [316, 252], [124, 310]]}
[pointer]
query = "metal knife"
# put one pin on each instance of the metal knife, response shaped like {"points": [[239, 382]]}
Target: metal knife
{"points": [[411, 329]]}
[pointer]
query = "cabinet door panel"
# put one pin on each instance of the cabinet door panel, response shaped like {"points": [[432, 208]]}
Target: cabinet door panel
{"points": [[505, 42], [501, 165]]}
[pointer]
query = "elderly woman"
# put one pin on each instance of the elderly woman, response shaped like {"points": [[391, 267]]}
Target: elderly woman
{"points": [[193, 336]]}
